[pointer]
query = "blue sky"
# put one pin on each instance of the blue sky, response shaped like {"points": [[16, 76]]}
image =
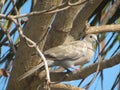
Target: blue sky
{"points": [[109, 74]]}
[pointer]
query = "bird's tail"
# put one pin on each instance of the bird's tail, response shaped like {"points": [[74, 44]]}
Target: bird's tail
{"points": [[31, 71]]}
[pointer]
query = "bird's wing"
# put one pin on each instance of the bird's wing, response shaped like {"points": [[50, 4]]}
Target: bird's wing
{"points": [[71, 50]]}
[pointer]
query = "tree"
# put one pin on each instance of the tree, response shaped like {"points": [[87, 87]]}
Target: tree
{"points": [[51, 23]]}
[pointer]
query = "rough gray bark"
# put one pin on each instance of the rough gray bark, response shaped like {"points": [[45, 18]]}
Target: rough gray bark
{"points": [[60, 32], [35, 30], [70, 26], [61, 26], [79, 22]]}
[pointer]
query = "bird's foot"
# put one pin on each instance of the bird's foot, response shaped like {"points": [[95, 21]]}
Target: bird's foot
{"points": [[75, 68]]}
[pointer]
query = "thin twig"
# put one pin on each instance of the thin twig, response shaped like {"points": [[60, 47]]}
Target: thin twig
{"points": [[97, 70], [9, 38], [13, 31], [76, 3], [59, 8], [11, 42], [34, 45]]}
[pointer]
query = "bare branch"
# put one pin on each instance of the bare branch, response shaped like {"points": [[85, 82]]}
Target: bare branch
{"points": [[34, 45], [31, 44], [1, 4], [76, 3], [110, 12], [85, 71], [79, 22], [64, 87], [103, 28], [61, 87], [9, 38], [67, 5], [59, 8], [6, 38]]}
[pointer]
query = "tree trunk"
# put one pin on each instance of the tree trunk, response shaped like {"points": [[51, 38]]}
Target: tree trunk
{"points": [[35, 29]]}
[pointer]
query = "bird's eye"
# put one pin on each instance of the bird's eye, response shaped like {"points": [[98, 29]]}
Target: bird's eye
{"points": [[90, 36]]}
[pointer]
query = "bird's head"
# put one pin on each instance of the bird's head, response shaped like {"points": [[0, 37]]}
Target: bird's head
{"points": [[92, 38]]}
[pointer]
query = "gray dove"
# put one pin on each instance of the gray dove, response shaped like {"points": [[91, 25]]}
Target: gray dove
{"points": [[68, 55]]}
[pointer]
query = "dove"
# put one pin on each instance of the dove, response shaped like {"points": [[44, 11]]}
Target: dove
{"points": [[68, 55]]}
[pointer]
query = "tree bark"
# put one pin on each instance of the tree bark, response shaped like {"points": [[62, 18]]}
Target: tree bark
{"points": [[67, 26], [79, 24], [35, 30], [61, 26]]}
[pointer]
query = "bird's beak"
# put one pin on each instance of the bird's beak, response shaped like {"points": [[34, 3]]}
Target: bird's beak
{"points": [[96, 41]]}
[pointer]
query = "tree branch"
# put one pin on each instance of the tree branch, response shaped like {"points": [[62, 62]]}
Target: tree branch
{"points": [[103, 28], [60, 87], [55, 76], [110, 13], [35, 30], [61, 26], [59, 8], [83, 15], [64, 87]]}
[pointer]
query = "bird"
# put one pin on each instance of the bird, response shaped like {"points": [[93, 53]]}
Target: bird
{"points": [[68, 55]]}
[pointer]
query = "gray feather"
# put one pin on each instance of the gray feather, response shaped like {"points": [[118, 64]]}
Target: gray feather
{"points": [[68, 55]]}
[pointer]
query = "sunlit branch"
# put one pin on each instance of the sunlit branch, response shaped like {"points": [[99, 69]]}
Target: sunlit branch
{"points": [[85, 71], [59, 8], [103, 29]]}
